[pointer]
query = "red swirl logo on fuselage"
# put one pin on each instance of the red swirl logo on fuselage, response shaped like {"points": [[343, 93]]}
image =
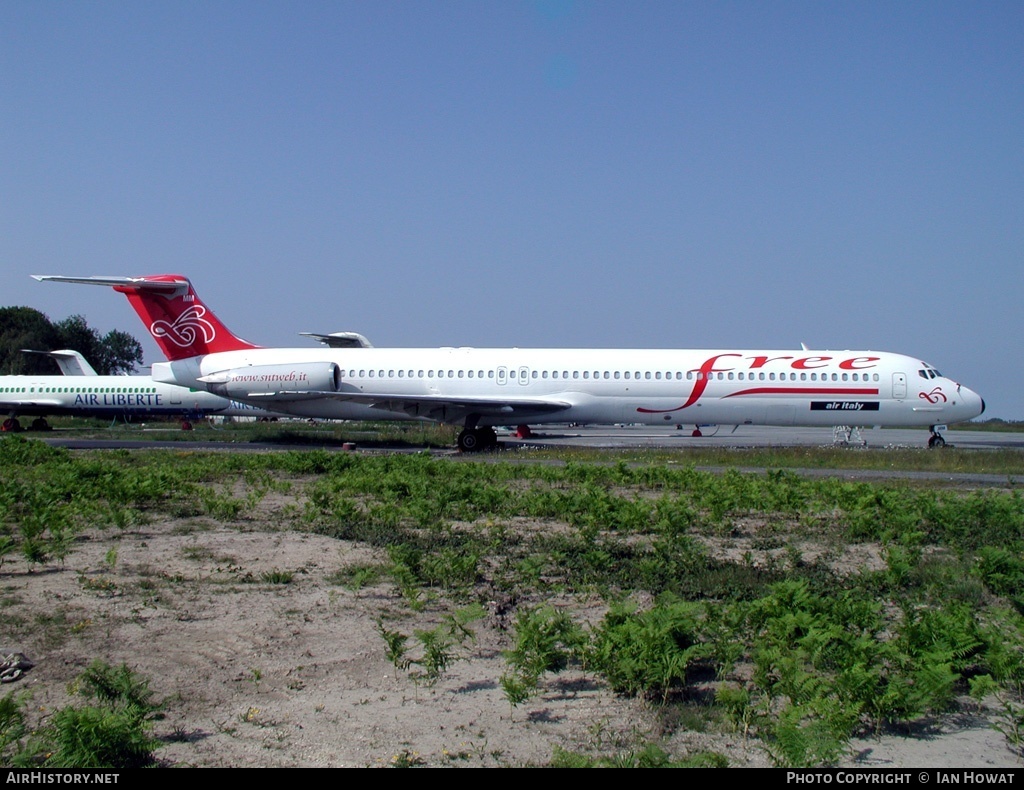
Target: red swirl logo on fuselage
{"points": [[934, 396], [186, 328], [703, 374], [707, 369]]}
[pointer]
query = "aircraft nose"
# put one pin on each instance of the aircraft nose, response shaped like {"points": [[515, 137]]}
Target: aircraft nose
{"points": [[973, 399]]}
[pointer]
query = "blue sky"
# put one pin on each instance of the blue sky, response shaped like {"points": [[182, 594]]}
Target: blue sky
{"points": [[552, 173]]}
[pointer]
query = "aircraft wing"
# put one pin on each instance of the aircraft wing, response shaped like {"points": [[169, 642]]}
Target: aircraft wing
{"points": [[23, 405], [445, 408]]}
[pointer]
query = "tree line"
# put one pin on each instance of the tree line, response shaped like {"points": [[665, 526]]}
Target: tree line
{"points": [[23, 328]]}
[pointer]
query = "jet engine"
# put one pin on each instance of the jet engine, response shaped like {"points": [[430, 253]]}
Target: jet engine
{"points": [[284, 382]]}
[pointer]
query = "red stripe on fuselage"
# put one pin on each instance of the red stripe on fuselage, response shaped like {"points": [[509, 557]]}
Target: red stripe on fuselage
{"points": [[803, 391], [774, 391]]}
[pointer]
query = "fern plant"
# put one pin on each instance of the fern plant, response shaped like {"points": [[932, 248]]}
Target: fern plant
{"points": [[546, 641], [649, 653]]}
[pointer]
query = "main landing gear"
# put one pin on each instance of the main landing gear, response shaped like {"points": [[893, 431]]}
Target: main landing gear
{"points": [[472, 440], [13, 425]]}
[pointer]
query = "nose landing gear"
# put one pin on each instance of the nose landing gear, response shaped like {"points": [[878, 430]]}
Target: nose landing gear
{"points": [[936, 439], [848, 435]]}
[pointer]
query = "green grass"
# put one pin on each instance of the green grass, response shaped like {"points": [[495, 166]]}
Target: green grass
{"points": [[995, 424], [950, 460]]}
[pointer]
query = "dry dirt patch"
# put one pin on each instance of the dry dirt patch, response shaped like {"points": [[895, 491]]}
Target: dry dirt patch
{"points": [[260, 674]]}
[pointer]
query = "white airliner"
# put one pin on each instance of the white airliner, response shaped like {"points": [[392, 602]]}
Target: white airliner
{"points": [[480, 388], [81, 392]]}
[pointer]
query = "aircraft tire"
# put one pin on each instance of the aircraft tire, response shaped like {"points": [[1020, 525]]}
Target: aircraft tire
{"points": [[470, 440], [936, 441]]}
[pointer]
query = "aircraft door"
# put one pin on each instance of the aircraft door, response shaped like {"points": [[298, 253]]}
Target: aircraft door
{"points": [[502, 376], [899, 385], [524, 376]]}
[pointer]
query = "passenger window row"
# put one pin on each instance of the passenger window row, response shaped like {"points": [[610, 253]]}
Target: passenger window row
{"points": [[617, 375], [77, 390]]}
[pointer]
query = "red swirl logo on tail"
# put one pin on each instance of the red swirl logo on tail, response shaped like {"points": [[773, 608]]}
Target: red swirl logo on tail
{"points": [[934, 396], [186, 328]]}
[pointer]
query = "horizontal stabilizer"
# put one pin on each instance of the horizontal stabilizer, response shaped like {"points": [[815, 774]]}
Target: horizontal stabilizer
{"points": [[165, 284], [340, 339]]}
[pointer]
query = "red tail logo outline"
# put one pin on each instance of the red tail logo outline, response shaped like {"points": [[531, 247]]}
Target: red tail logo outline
{"points": [[183, 331]]}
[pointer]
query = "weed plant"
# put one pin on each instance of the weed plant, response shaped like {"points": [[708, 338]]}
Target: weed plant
{"points": [[112, 732]]}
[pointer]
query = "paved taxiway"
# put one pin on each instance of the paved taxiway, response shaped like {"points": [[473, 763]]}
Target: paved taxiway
{"points": [[617, 437], [756, 436]]}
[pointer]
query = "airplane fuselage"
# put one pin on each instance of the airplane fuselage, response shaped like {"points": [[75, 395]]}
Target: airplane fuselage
{"points": [[110, 396], [697, 386]]}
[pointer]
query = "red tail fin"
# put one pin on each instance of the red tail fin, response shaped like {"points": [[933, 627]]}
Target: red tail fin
{"points": [[180, 323]]}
